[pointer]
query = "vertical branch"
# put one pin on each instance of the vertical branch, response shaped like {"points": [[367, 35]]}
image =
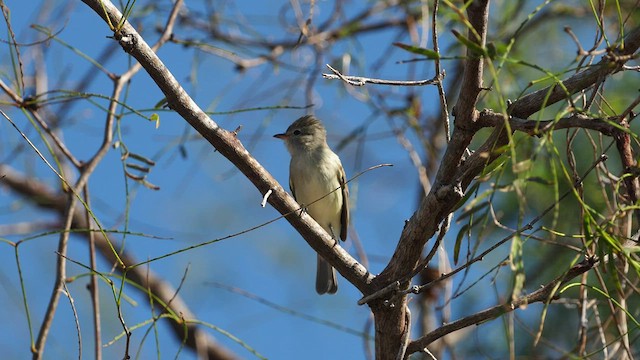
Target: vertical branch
{"points": [[438, 70], [61, 274], [444, 194], [93, 282], [623, 144], [390, 318], [85, 173], [464, 111], [621, 313]]}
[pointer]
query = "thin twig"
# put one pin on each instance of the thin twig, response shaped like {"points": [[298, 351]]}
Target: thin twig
{"points": [[287, 310], [441, 94], [75, 317], [423, 176], [43, 124], [361, 81]]}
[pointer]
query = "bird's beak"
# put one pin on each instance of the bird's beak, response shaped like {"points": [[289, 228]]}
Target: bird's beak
{"points": [[281, 136]]}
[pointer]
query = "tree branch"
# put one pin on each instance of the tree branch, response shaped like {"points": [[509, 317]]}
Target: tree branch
{"points": [[361, 81], [610, 64], [227, 144], [490, 118], [438, 203], [445, 193]]}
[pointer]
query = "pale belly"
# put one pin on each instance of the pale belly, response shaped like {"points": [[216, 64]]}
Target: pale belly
{"points": [[310, 186]]}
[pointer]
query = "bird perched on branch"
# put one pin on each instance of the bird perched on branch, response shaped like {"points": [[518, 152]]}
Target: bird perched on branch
{"points": [[318, 183]]}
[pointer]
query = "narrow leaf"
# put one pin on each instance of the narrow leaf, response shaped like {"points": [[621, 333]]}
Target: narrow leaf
{"points": [[475, 48], [430, 54]]}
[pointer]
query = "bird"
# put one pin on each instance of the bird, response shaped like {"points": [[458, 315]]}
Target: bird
{"points": [[316, 172]]}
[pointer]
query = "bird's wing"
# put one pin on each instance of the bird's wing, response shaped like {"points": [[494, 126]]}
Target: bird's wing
{"points": [[293, 191], [344, 212]]}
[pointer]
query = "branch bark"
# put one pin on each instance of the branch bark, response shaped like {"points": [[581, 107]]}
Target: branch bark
{"points": [[489, 118], [610, 64]]}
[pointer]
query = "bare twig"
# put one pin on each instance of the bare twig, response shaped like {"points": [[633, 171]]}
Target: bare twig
{"points": [[489, 118], [437, 65], [36, 115], [361, 81], [423, 177], [391, 288], [65, 289]]}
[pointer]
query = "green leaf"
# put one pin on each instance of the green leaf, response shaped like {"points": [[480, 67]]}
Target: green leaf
{"points": [[161, 104], [517, 266], [430, 54], [473, 209], [496, 50], [497, 163], [475, 48], [456, 247]]}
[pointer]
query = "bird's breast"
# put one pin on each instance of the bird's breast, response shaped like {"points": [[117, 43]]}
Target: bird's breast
{"points": [[314, 178]]}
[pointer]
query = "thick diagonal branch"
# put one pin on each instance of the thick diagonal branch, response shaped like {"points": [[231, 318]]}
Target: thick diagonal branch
{"points": [[227, 144]]}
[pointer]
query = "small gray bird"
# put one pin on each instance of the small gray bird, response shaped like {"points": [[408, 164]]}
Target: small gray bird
{"points": [[314, 172]]}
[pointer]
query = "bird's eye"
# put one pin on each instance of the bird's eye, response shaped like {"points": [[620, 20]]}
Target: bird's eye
{"points": [[297, 132]]}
